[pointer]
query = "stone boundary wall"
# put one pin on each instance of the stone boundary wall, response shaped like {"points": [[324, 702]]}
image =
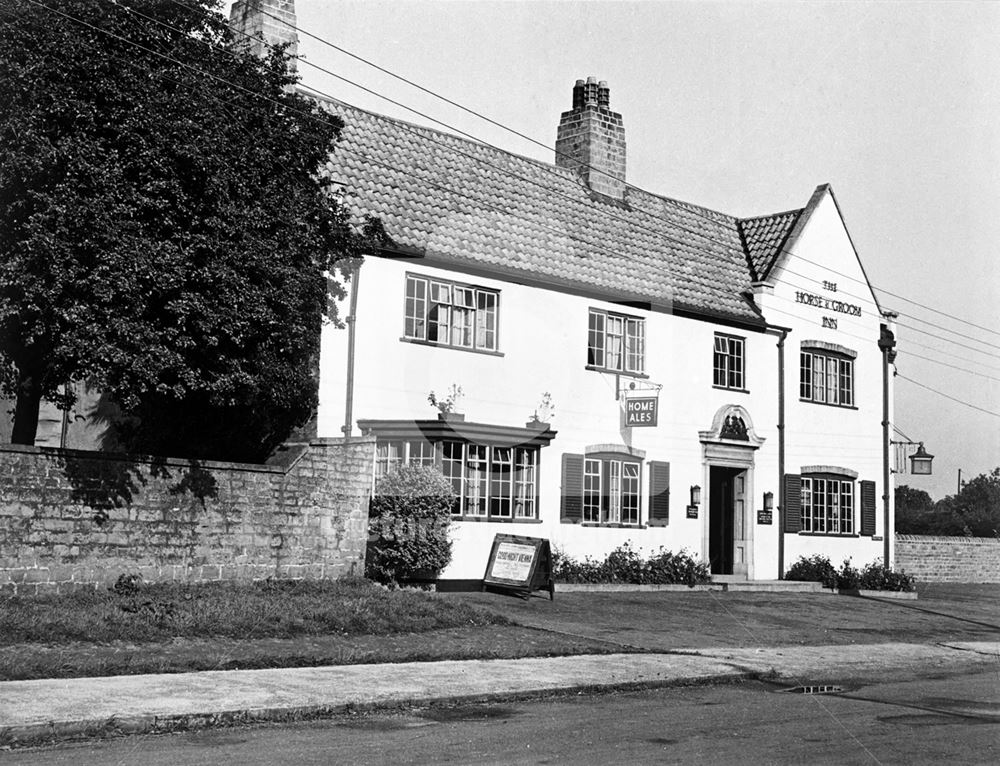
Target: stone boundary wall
{"points": [[71, 519], [949, 559]]}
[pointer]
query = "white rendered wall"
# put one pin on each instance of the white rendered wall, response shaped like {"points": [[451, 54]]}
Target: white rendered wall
{"points": [[543, 339], [820, 434]]}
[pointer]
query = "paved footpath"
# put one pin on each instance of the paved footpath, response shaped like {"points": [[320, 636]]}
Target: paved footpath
{"points": [[36, 711]]}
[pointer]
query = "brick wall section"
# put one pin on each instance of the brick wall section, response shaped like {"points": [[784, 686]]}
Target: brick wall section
{"points": [[72, 519], [949, 559]]}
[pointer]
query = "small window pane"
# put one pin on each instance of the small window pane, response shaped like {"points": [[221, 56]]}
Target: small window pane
{"points": [[476, 477], [846, 382], [486, 320], [614, 342], [595, 340], [635, 330], [451, 466], [592, 491], [819, 379], [630, 493], [525, 488], [415, 312], [805, 379]]}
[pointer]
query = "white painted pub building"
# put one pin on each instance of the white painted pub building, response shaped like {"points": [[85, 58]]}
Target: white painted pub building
{"points": [[632, 368]]}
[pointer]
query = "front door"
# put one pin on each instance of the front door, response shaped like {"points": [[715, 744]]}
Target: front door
{"points": [[727, 543]]}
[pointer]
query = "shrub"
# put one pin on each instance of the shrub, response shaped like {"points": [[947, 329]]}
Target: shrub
{"points": [[667, 567], [815, 568], [873, 576], [848, 578], [625, 565], [408, 525]]}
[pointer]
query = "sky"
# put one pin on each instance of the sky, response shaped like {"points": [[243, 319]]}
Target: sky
{"points": [[746, 107]]}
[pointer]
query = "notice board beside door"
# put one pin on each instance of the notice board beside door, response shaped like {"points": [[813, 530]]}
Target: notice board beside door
{"points": [[520, 565]]}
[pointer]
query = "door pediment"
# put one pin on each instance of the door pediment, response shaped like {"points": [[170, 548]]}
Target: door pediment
{"points": [[732, 426]]}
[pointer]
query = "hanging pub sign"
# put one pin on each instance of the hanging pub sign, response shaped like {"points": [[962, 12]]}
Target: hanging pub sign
{"points": [[520, 564], [641, 411]]}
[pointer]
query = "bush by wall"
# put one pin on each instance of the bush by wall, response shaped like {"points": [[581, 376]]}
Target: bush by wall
{"points": [[409, 521], [873, 576], [625, 565]]}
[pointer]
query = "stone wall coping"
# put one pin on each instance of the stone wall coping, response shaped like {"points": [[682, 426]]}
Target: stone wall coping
{"points": [[176, 462], [943, 539]]}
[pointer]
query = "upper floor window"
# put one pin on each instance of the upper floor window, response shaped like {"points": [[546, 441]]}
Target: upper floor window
{"points": [[827, 378], [727, 364], [450, 314], [616, 342], [827, 505]]}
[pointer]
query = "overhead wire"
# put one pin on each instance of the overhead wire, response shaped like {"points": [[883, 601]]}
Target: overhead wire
{"points": [[630, 222], [550, 148], [445, 189], [562, 233], [947, 396]]}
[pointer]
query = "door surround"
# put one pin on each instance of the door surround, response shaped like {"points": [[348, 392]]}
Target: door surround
{"points": [[730, 443]]}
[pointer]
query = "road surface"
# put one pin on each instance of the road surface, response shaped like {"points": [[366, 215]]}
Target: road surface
{"points": [[948, 719]]}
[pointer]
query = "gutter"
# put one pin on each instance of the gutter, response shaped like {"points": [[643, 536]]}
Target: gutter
{"points": [[887, 343], [782, 333], [351, 321]]}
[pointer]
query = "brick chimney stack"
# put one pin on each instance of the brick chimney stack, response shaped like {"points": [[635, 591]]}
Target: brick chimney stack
{"points": [[591, 139], [272, 22]]}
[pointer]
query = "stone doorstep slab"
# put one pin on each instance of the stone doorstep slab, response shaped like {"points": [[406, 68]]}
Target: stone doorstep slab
{"points": [[740, 586], [32, 711]]}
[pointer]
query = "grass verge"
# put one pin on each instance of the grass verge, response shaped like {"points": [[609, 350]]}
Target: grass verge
{"points": [[270, 609], [175, 628]]}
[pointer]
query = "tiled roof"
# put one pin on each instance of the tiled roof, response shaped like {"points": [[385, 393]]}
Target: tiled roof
{"points": [[764, 237], [466, 204]]}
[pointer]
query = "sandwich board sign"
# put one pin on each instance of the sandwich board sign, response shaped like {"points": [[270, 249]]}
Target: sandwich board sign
{"points": [[520, 564]]}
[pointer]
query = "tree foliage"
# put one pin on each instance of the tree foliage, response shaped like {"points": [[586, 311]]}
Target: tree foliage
{"points": [[165, 233], [913, 509], [974, 510]]}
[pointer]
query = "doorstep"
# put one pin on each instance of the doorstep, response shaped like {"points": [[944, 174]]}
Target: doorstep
{"points": [[717, 584]]}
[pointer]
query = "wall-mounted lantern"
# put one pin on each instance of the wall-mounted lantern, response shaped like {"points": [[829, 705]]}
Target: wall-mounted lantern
{"points": [[920, 461], [695, 495], [768, 501], [692, 509]]}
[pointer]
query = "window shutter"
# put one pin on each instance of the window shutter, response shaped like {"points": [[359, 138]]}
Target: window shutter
{"points": [[793, 502], [571, 506], [868, 508], [659, 493]]}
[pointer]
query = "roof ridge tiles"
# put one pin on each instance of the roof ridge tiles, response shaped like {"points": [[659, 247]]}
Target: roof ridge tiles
{"points": [[516, 214], [547, 166]]}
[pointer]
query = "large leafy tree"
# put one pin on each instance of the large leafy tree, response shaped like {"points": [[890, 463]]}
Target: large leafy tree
{"points": [[913, 511], [975, 510], [165, 232]]}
